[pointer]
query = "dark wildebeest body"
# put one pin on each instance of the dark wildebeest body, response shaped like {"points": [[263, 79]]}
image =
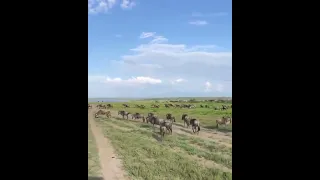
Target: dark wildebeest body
{"points": [[89, 106], [195, 125], [123, 113], [162, 131], [149, 116], [170, 117], [138, 116], [185, 120], [161, 122], [224, 107]]}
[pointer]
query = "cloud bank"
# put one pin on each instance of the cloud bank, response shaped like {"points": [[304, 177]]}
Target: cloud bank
{"points": [[158, 68]]}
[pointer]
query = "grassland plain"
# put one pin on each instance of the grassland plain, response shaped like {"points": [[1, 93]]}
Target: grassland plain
{"points": [[146, 156], [207, 116], [94, 169]]}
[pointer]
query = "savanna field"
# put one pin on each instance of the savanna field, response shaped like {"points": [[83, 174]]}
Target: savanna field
{"points": [[180, 155]]}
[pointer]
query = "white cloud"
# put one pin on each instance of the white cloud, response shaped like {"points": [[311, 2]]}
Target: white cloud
{"points": [[127, 4], [159, 39], [198, 14], [103, 6], [117, 80], [201, 66], [134, 80], [217, 87], [144, 35], [198, 22], [100, 6], [179, 80]]}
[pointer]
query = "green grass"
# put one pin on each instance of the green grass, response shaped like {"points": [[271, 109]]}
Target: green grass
{"points": [[93, 158], [177, 157], [207, 116]]}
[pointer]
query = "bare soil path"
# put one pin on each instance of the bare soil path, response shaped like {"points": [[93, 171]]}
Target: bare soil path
{"points": [[111, 166]]}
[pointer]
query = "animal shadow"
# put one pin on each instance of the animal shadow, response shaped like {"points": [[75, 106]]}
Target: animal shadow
{"points": [[145, 126], [178, 124], [220, 129], [94, 178], [186, 131], [155, 136]]}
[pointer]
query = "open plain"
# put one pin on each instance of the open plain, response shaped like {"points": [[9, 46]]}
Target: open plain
{"points": [[121, 148]]}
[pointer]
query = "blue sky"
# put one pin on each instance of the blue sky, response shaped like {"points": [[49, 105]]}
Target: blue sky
{"points": [[164, 48]]}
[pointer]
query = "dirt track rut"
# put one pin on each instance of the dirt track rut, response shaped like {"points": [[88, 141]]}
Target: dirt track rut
{"points": [[111, 166]]}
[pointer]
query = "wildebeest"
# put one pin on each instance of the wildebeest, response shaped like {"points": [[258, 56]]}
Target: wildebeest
{"points": [[161, 122], [109, 106], [123, 113], [168, 124], [224, 107], [149, 116], [100, 106], [195, 125], [185, 120], [140, 106], [138, 116], [170, 117], [100, 112], [162, 131], [125, 105], [89, 106], [155, 106], [223, 121]]}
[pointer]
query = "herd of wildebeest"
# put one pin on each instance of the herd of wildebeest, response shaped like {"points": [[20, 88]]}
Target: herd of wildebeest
{"points": [[165, 125]]}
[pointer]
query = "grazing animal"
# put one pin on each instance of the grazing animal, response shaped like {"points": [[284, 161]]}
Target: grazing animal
{"points": [[162, 131], [223, 121], [100, 112], [96, 115], [138, 116], [108, 114], [149, 116], [195, 125], [89, 106], [169, 116], [155, 120], [161, 122], [123, 113], [168, 125], [185, 120], [100, 106]]}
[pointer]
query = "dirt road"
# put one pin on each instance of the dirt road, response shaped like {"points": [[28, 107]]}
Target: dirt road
{"points": [[111, 166]]}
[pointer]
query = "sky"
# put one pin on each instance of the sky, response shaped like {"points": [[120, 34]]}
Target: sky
{"points": [[159, 48]]}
